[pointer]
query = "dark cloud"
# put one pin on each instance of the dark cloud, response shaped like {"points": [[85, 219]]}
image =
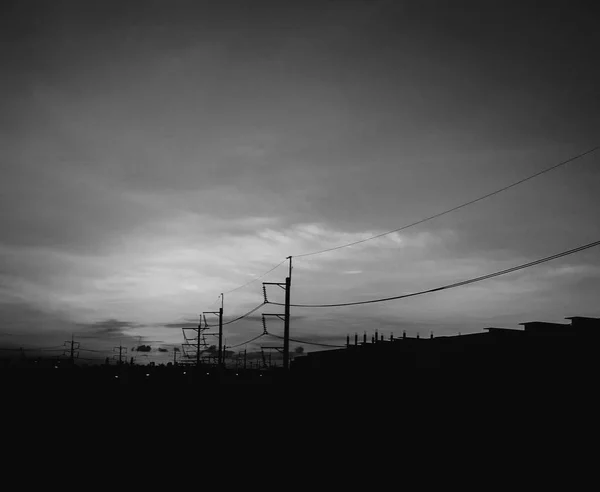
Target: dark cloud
{"points": [[143, 348], [110, 326], [188, 325], [25, 323], [160, 349]]}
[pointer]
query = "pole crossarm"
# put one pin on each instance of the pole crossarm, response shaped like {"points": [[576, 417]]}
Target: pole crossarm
{"points": [[279, 284]]}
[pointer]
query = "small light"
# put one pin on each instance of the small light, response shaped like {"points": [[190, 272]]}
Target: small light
{"points": [[261, 375], [236, 374], [117, 377], [184, 372], [208, 374], [147, 374], [55, 367]]}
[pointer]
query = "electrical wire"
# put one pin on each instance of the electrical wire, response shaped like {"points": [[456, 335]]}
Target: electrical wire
{"points": [[543, 171], [257, 278], [451, 286], [216, 300], [247, 341], [307, 342], [239, 317]]}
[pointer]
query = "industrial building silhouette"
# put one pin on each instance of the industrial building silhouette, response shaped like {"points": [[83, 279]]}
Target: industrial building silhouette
{"points": [[539, 346], [539, 352]]}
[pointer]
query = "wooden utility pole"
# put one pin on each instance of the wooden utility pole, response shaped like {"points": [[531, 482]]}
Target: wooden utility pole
{"points": [[286, 329], [120, 347], [72, 355], [220, 360], [198, 343]]}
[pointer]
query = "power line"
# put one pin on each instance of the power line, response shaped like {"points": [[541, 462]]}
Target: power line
{"points": [[551, 168], [308, 343], [215, 301], [457, 284], [239, 317], [248, 341], [257, 278]]}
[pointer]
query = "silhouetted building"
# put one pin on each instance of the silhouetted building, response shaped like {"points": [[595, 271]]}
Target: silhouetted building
{"points": [[539, 346]]}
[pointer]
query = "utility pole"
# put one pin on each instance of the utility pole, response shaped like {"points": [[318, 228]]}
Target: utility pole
{"points": [[286, 329], [220, 360], [120, 347], [219, 334], [198, 343], [72, 354], [287, 286]]}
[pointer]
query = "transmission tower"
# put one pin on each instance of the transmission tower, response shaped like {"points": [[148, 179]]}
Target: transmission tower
{"points": [[70, 350], [122, 354], [194, 346]]}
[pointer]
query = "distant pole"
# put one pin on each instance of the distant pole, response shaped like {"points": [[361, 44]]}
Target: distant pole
{"points": [[286, 330], [220, 361], [72, 350], [198, 343], [245, 359]]}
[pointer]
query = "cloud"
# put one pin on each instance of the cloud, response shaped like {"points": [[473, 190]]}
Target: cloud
{"points": [[141, 179], [25, 323], [143, 348], [109, 327]]}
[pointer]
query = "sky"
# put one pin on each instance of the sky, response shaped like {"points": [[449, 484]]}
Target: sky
{"points": [[155, 154]]}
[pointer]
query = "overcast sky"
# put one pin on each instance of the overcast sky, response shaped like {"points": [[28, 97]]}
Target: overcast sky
{"points": [[157, 153]]}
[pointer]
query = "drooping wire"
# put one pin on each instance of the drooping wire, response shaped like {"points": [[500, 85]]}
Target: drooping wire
{"points": [[216, 300], [307, 342], [257, 278], [451, 286], [239, 317], [543, 171], [247, 341]]}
